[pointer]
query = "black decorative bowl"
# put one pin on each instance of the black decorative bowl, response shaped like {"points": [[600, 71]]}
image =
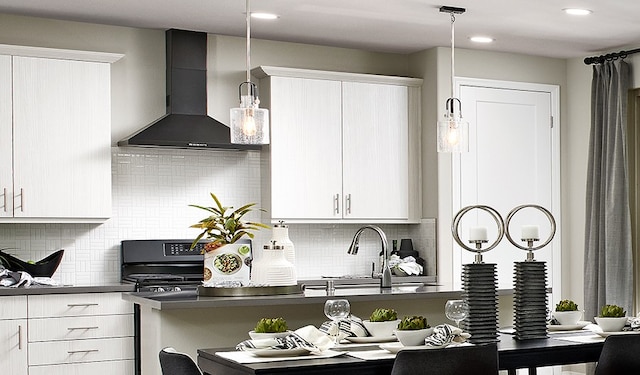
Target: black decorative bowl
{"points": [[45, 267]]}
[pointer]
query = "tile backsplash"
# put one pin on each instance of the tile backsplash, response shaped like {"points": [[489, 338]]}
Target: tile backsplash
{"points": [[152, 191]]}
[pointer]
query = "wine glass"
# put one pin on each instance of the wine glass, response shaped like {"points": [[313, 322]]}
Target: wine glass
{"points": [[336, 309], [456, 310]]}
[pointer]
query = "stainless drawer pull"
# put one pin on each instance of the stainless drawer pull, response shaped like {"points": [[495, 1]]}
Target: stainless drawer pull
{"points": [[81, 304], [4, 194], [19, 337], [336, 204], [82, 351], [83, 328], [348, 204]]}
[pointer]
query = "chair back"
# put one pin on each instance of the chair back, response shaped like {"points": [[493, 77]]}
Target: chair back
{"points": [[620, 355], [175, 363], [460, 360]]}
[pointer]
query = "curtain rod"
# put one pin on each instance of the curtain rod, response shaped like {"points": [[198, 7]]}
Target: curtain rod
{"points": [[609, 56]]}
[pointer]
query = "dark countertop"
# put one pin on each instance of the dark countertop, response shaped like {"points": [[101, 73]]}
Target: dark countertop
{"points": [[191, 300], [66, 289]]}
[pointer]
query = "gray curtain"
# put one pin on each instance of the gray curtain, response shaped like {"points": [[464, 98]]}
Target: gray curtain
{"points": [[608, 266]]}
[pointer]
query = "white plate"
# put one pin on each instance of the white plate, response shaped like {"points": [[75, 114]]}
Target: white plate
{"points": [[567, 327], [607, 334], [279, 352], [395, 347], [370, 339]]}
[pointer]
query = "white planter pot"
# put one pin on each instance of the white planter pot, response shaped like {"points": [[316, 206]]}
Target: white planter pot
{"points": [[413, 337], [611, 324], [567, 318], [381, 329]]}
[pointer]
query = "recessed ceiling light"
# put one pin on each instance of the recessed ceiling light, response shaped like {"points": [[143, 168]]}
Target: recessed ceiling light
{"points": [[481, 39], [264, 16], [577, 11]]}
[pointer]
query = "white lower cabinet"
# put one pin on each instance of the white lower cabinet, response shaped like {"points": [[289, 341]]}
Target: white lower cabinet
{"points": [[13, 335], [80, 333], [92, 368]]}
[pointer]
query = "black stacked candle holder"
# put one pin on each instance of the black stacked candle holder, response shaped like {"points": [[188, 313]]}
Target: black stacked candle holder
{"points": [[479, 283], [530, 284]]}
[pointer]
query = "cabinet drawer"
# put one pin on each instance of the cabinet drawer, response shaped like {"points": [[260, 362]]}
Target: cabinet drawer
{"points": [[80, 327], [76, 351], [14, 307], [106, 367], [61, 305]]}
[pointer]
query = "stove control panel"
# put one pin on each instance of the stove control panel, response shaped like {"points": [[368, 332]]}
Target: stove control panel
{"points": [[182, 248]]}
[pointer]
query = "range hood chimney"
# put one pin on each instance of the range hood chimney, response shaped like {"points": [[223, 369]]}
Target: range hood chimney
{"points": [[186, 124]]}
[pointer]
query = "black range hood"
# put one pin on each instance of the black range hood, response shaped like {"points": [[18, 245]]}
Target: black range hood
{"points": [[186, 124]]}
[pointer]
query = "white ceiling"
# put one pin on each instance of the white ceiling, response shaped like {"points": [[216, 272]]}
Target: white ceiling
{"points": [[536, 27]]}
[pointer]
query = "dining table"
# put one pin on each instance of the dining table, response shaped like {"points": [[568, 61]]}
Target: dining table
{"points": [[560, 348]]}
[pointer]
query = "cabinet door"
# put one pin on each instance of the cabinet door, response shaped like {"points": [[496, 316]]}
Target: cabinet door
{"points": [[62, 162], [6, 178], [306, 150], [13, 346], [375, 151]]}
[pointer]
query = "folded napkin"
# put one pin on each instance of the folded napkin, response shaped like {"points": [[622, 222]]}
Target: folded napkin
{"points": [[351, 326], [633, 324], [445, 334], [308, 337]]}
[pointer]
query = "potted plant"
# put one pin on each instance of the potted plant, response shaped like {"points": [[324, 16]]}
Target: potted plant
{"points": [[412, 330], [382, 322], [224, 258], [567, 313], [612, 318], [269, 328]]}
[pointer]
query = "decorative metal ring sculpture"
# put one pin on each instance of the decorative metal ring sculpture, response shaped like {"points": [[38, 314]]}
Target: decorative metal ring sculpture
{"points": [[456, 224], [549, 216]]}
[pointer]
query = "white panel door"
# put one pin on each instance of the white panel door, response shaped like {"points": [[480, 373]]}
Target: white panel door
{"points": [[510, 163], [13, 346], [375, 151], [61, 138], [306, 148], [6, 136]]}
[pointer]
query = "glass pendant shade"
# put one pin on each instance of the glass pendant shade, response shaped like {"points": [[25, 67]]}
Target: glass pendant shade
{"points": [[249, 123], [453, 134]]}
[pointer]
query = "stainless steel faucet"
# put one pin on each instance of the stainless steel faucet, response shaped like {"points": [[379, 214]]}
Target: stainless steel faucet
{"points": [[385, 279]]}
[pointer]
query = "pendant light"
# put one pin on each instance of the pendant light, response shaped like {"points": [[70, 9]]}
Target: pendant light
{"points": [[249, 123], [453, 131]]}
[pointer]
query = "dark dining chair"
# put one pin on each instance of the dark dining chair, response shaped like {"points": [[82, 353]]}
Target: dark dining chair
{"points": [[175, 363], [620, 355], [461, 360]]}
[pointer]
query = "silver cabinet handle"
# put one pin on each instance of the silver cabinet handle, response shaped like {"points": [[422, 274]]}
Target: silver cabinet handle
{"points": [[21, 200], [19, 337], [348, 204], [81, 304], [81, 328], [336, 204], [4, 194], [82, 351]]}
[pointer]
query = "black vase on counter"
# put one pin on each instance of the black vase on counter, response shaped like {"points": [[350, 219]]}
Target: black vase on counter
{"points": [[45, 267]]}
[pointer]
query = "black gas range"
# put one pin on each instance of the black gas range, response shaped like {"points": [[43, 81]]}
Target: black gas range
{"points": [[162, 265]]}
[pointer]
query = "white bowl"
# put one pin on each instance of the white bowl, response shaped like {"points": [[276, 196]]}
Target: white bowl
{"points": [[567, 318], [413, 337], [381, 329], [611, 324], [267, 335]]}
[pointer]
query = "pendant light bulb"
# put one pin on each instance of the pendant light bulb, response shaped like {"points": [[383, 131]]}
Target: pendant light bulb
{"points": [[249, 122]]}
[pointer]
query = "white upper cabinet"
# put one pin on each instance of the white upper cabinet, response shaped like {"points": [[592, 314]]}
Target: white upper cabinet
{"points": [[344, 147], [57, 168]]}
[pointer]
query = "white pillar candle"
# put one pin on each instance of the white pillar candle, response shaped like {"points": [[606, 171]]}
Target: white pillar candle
{"points": [[530, 232], [478, 234]]}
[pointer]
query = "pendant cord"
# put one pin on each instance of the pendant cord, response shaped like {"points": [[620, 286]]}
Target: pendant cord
{"points": [[453, 20], [248, 19]]}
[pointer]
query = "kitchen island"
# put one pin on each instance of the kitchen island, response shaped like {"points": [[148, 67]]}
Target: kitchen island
{"points": [[189, 322]]}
